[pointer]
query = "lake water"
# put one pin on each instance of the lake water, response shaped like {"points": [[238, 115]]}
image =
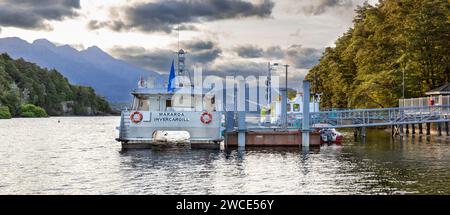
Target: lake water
{"points": [[80, 156]]}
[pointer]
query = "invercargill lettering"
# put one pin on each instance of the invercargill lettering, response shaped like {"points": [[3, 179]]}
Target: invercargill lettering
{"points": [[171, 117]]}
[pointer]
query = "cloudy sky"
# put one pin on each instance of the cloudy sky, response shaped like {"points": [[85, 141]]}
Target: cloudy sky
{"points": [[223, 36]]}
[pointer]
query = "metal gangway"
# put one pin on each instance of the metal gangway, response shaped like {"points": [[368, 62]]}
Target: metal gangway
{"points": [[357, 118]]}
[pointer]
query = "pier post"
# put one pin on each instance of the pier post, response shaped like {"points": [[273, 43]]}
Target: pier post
{"points": [[407, 129], [439, 128], [242, 130], [401, 130], [428, 128], [283, 108], [413, 129], [446, 128], [305, 121], [393, 131], [229, 125], [363, 134], [242, 127], [420, 129]]}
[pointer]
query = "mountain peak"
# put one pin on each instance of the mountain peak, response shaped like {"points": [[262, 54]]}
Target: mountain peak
{"points": [[94, 49], [44, 43], [13, 39], [96, 53]]}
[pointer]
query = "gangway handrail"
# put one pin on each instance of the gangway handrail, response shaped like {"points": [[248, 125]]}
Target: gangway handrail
{"points": [[383, 109]]}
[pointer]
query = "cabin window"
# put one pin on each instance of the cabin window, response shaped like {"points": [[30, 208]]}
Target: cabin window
{"points": [[213, 100], [141, 104], [168, 103]]}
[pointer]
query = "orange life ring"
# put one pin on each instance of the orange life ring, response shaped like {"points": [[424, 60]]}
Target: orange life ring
{"points": [[206, 118], [138, 119]]}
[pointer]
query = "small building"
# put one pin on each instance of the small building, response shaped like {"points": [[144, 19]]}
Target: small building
{"points": [[440, 91], [438, 96]]}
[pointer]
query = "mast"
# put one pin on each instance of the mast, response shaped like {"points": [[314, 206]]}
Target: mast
{"points": [[269, 75], [181, 64]]}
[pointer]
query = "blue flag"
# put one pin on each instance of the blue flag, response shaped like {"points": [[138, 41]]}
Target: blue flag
{"points": [[170, 86]]}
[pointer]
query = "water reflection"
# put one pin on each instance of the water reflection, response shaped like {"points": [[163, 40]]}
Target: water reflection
{"points": [[79, 156]]}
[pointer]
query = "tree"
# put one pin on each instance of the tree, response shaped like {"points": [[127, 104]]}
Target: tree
{"points": [[366, 66]]}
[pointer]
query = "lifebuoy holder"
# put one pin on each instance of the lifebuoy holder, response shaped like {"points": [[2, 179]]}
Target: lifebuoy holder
{"points": [[206, 118], [139, 117]]}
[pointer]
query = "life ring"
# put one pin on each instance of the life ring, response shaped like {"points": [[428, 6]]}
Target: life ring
{"points": [[138, 119], [206, 118]]}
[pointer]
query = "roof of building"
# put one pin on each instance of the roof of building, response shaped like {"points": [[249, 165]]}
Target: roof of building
{"points": [[442, 90]]}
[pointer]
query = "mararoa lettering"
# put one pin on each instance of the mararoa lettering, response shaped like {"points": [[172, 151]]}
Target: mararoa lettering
{"points": [[171, 117]]}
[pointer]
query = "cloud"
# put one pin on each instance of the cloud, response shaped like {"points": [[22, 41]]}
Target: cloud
{"points": [[253, 51], [249, 51], [186, 28], [159, 60], [318, 7], [166, 15], [274, 52], [203, 52], [296, 55], [243, 68], [303, 58], [30, 14]]}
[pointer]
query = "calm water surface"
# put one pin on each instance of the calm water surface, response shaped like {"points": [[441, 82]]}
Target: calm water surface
{"points": [[80, 156]]}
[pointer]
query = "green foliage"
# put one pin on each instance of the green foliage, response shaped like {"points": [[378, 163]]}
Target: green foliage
{"points": [[365, 69], [22, 83], [30, 110], [4, 112]]}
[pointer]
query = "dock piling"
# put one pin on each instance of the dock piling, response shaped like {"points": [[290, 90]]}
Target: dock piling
{"points": [[401, 130], [420, 129], [428, 129], [305, 122], [413, 129], [439, 129], [363, 134], [242, 127], [446, 128]]}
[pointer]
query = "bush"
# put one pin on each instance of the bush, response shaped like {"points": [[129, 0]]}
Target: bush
{"points": [[4, 113], [30, 110], [28, 114]]}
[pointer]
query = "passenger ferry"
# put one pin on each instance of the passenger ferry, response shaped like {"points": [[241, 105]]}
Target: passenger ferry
{"points": [[158, 115]]}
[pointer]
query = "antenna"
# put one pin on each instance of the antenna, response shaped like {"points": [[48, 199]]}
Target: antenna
{"points": [[178, 30]]}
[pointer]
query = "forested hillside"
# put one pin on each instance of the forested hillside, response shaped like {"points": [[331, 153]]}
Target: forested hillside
{"points": [[23, 83], [365, 68]]}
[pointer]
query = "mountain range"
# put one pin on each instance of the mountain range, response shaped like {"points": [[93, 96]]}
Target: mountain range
{"points": [[93, 67]]}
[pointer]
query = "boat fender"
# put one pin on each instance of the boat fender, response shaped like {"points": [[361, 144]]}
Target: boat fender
{"points": [[206, 118], [136, 117]]}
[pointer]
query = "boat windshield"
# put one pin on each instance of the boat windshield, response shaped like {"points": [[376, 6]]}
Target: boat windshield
{"points": [[141, 104]]}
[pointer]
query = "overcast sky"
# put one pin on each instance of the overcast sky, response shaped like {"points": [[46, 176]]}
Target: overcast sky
{"points": [[221, 35]]}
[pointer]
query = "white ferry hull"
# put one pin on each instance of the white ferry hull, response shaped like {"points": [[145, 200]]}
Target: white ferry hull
{"points": [[141, 135]]}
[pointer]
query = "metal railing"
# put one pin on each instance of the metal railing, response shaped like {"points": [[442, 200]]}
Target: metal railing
{"points": [[356, 118], [424, 101], [381, 117]]}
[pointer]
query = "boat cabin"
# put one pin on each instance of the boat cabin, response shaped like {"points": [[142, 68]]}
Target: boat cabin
{"points": [[158, 99]]}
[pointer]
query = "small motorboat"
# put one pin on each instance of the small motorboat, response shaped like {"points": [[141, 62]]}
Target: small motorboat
{"points": [[331, 136]]}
